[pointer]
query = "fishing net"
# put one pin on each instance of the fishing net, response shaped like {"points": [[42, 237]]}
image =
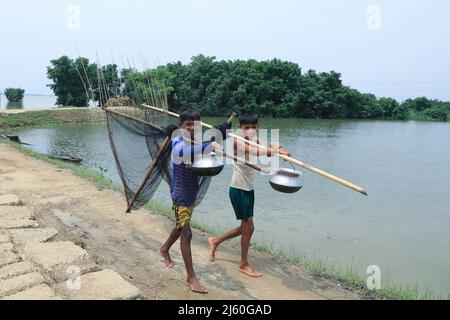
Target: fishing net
{"points": [[136, 136]]}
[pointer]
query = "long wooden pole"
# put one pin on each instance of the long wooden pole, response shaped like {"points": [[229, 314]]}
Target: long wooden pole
{"points": [[247, 163], [177, 115], [150, 171], [309, 167]]}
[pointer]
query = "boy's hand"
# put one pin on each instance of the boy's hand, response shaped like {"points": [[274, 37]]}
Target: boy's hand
{"points": [[170, 129], [275, 147], [223, 129], [284, 152]]}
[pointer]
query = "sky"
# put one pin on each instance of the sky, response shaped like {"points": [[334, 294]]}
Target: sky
{"points": [[398, 49]]}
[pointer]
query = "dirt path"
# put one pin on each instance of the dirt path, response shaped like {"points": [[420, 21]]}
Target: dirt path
{"points": [[95, 221]]}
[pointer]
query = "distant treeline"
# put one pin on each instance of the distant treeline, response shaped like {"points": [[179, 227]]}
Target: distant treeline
{"points": [[272, 88]]}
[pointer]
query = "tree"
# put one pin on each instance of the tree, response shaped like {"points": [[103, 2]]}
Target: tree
{"points": [[419, 104], [14, 94], [388, 106], [67, 83], [75, 82], [439, 113], [272, 88], [401, 112]]}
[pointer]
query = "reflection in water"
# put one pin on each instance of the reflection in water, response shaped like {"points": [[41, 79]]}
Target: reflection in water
{"points": [[14, 105], [29, 102], [402, 226]]}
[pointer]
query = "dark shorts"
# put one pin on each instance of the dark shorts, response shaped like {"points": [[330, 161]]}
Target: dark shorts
{"points": [[243, 203]]}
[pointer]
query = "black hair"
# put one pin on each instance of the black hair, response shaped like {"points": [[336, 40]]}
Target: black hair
{"points": [[248, 117], [189, 115]]}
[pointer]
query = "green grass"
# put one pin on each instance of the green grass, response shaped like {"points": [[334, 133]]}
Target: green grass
{"points": [[344, 275], [347, 276], [41, 118]]}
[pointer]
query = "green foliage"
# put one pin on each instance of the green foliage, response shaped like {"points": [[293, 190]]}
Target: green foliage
{"points": [[67, 85], [38, 118], [14, 94], [425, 109], [102, 170], [75, 82], [272, 88], [401, 112], [439, 113]]}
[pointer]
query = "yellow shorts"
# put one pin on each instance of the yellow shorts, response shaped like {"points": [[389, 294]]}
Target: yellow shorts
{"points": [[183, 215]]}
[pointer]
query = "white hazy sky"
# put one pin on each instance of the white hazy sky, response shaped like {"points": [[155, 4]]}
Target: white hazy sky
{"points": [[407, 56]]}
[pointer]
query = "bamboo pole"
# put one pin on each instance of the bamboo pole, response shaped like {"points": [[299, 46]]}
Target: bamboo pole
{"points": [[309, 167], [247, 163], [177, 115]]}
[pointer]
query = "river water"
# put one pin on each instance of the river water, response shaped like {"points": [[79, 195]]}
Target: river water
{"points": [[402, 226], [28, 102]]}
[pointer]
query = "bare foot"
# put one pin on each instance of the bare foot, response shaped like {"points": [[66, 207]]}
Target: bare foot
{"points": [[195, 286], [250, 271], [212, 249], [167, 260]]}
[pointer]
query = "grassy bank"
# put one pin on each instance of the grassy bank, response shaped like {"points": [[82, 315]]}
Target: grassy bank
{"points": [[49, 117], [347, 277]]}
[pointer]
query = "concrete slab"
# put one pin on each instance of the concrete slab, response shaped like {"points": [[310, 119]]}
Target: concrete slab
{"points": [[8, 257], [41, 292], [55, 201], [16, 269], [4, 238], [51, 254], [7, 246], [13, 212], [15, 224], [21, 236], [9, 200], [103, 285], [20, 283]]}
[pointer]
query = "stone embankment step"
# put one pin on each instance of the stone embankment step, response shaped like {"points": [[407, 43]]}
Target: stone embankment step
{"points": [[34, 267]]}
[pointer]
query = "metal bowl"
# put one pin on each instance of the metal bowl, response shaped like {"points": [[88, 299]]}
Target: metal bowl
{"points": [[286, 181], [208, 166]]}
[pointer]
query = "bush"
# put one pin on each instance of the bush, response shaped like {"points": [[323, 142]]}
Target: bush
{"points": [[439, 113], [14, 94]]}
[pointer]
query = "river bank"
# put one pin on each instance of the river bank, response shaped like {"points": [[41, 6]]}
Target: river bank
{"points": [[95, 220], [347, 276], [11, 119]]}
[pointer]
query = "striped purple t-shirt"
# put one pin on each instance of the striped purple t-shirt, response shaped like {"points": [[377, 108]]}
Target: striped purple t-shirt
{"points": [[185, 181]]}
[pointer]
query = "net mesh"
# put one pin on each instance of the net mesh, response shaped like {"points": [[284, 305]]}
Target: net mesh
{"points": [[136, 137]]}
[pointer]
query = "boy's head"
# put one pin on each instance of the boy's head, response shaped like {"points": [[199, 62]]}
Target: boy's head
{"points": [[249, 123], [188, 119]]}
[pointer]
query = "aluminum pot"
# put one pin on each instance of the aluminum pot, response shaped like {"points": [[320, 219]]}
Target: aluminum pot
{"points": [[208, 166], [286, 181]]}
